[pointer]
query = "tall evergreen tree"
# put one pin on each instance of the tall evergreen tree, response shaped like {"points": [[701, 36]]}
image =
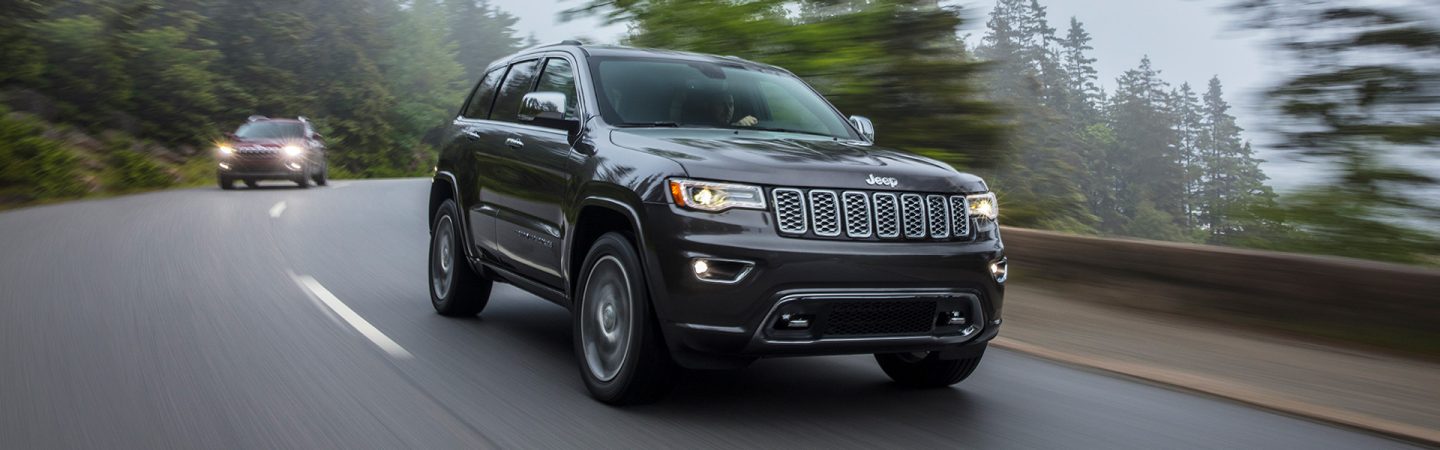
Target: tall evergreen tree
{"points": [[1080, 74], [481, 33], [1148, 174], [1232, 181]]}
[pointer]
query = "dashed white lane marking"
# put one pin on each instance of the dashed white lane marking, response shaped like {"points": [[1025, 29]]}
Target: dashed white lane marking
{"points": [[349, 316], [277, 210]]}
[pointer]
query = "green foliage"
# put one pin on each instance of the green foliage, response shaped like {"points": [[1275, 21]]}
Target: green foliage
{"points": [[32, 165], [136, 171], [1367, 100]]}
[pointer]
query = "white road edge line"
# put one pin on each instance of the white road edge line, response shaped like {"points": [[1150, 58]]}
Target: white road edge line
{"points": [[350, 317], [277, 210]]}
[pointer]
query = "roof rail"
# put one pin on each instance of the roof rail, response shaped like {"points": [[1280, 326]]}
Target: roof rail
{"points": [[256, 117], [303, 119]]}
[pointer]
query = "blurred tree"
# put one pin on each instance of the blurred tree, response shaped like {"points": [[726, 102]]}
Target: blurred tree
{"points": [[1365, 97], [898, 62], [480, 33], [422, 72], [23, 57]]}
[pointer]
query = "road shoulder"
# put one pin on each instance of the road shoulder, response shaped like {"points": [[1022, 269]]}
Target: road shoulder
{"points": [[1381, 393]]}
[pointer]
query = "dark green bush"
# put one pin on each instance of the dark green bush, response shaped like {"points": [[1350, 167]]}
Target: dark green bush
{"points": [[35, 166], [137, 171]]}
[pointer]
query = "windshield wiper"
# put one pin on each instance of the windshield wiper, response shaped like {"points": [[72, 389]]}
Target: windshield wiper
{"points": [[651, 124], [786, 130]]}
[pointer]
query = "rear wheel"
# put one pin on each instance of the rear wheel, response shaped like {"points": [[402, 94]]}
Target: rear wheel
{"points": [[455, 289], [251, 183], [926, 369], [623, 358]]}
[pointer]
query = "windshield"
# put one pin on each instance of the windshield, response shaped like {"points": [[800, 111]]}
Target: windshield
{"points": [[642, 92], [270, 130]]}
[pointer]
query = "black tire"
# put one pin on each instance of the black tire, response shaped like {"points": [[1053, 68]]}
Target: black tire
{"points": [[323, 178], [463, 293], [227, 183], [643, 372], [252, 184], [928, 371], [304, 180]]}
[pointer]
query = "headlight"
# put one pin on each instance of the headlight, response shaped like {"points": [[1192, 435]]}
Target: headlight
{"points": [[225, 149], [293, 150], [710, 196], [983, 206]]}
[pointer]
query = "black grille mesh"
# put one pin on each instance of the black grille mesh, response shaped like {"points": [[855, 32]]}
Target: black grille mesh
{"points": [[880, 318]]}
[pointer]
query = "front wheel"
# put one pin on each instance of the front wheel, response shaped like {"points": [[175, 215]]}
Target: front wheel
{"points": [[323, 178], [227, 183], [926, 369], [623, 358], [455, 289]]}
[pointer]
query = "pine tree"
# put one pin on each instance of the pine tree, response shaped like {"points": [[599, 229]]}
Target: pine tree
{"points": [[481, 33], [1185, 110], [1231, 179], [1149, 178], [1080, 73]]}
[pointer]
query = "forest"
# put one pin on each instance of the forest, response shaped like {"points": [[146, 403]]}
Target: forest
{"points": [[100, 97]]}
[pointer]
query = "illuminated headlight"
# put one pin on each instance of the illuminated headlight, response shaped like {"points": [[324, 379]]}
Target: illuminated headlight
{"points": [[715, 197], [983, 206], [293, 150], [225, 149]]}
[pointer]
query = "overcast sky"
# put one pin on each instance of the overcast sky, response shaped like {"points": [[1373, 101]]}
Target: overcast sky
{"points": [[1187, 40]]}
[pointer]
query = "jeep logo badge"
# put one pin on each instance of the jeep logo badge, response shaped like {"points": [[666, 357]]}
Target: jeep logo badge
{"points": [[882, 181]]}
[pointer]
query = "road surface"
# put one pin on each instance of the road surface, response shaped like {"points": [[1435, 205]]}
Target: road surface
{"points": [[290, 318]]}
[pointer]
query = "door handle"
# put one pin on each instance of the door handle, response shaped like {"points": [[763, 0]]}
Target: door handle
{"points": [[473, 135], [514, 143]]}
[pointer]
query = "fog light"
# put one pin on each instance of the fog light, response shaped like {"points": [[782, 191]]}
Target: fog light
{"points": [[293, 165], [224, 166], [1000, 270], [725, 271], [952, 318], [793, 322]]}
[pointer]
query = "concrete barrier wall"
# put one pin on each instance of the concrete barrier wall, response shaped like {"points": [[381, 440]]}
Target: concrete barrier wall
{"points": [[1375, 303]]}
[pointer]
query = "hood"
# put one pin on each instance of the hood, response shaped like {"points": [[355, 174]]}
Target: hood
{"points": [[798, 160]]}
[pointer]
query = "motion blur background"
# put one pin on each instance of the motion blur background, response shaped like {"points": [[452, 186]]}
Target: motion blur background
{"points": [[105, 97], [1277, 160]]}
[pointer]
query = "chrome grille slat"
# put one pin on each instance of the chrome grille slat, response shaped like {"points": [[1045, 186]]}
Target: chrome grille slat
{"points": [[914, 213], [937, 213], [790, 211], [869, 215], [959, 216], [887, 215], [824, 213], [857, 214]]}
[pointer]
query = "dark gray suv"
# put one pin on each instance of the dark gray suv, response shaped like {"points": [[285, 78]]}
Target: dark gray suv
{"points": [[701, 211]]}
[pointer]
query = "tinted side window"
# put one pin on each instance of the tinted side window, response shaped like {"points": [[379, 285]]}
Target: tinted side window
{"points": [[479, 107], [558, 77], [512, 91]]}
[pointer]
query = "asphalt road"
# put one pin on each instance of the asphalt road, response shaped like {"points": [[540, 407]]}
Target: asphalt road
{"points": [[290, 318]]}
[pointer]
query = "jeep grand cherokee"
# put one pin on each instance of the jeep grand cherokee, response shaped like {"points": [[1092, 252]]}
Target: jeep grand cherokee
{"points": [[272, 149], [701, 211]]}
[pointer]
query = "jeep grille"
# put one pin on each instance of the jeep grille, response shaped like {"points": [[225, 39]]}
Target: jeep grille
{"points": [[860, 215]]}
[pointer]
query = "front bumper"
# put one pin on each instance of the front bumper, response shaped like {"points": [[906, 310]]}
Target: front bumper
{"points": [[270, 168], [810, 277]]}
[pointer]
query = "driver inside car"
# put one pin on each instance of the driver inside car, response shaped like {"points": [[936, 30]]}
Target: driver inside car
{"points": [[723, 110]]}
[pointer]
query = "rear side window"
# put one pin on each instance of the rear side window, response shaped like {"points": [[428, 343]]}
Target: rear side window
{"points": [[512, 91], [479, 106], [558, 77]]}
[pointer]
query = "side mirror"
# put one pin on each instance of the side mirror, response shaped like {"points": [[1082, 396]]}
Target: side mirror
{"points": [[547, 109], [230, 135], [864, 126]]}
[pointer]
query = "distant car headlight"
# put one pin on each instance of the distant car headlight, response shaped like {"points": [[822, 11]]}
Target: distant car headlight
{"points": [[293, 150], [983, 206], [225, 149], [716, 197]]}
